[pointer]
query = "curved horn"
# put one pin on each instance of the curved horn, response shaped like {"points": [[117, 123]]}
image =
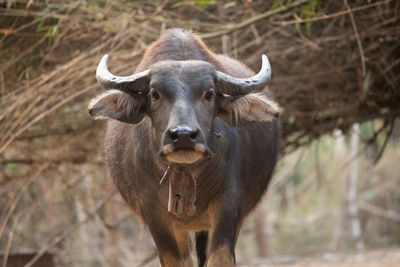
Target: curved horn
{"points": [[137, 82], [229, 85]]}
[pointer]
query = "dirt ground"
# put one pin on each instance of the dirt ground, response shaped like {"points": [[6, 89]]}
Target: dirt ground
{"points": [[374, 258]]}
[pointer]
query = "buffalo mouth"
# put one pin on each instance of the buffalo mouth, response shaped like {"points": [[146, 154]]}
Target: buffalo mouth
{"points": [[184, 155]]}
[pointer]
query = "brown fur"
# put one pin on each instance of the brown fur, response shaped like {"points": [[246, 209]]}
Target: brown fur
{"points": [[189, 46], [229, 183]]}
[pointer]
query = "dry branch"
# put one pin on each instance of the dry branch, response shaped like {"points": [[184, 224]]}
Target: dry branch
{"points": [[359, 44], [388, 214], [253, 20], [330, 16]]}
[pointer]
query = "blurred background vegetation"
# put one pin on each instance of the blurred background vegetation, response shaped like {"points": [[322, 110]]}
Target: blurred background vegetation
{"points": [[336, 74]]}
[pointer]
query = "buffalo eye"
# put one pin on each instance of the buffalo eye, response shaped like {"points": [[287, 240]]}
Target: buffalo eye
{"points": [[154, 95], [209, 95]]}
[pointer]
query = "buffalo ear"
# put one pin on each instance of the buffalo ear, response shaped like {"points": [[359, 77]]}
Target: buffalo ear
{"points": [[118, 105], [239, 110]]}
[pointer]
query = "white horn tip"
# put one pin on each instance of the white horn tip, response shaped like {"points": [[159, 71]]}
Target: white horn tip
{"points": [[105, 58], [266, 66], [265, 61]]}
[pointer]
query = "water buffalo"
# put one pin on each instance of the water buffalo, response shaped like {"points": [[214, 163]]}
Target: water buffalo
{"points": [[191, 144]]}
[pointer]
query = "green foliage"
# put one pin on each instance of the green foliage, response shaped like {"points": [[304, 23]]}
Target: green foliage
{"points": [[23, 73], [51, 32], [292, 119], [277, 4], [307, 11], [11, 165], [367, 130], [199, 3]]}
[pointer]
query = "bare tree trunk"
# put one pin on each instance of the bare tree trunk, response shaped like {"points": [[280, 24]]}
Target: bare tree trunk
{"points": [[337, 230], [351, 191]]}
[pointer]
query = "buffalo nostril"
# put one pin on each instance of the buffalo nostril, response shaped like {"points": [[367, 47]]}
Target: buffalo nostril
{"points": [[183, 134], [173, 134], [193, 134]]}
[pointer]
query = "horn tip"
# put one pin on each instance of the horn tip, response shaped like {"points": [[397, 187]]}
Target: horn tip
{"points": [[266, 64], [105, 57], [265, 59]]}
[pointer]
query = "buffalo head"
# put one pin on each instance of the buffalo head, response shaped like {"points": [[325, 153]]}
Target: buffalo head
{"points": [[182, 98]]}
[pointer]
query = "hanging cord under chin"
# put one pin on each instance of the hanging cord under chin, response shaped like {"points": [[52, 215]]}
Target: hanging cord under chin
{"points": [[182, 190]]}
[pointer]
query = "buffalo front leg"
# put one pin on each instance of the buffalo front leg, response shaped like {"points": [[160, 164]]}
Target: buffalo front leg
{"points": [[221, 250], [185, 246], [201, 247], [168, 251], [165, 240]]}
